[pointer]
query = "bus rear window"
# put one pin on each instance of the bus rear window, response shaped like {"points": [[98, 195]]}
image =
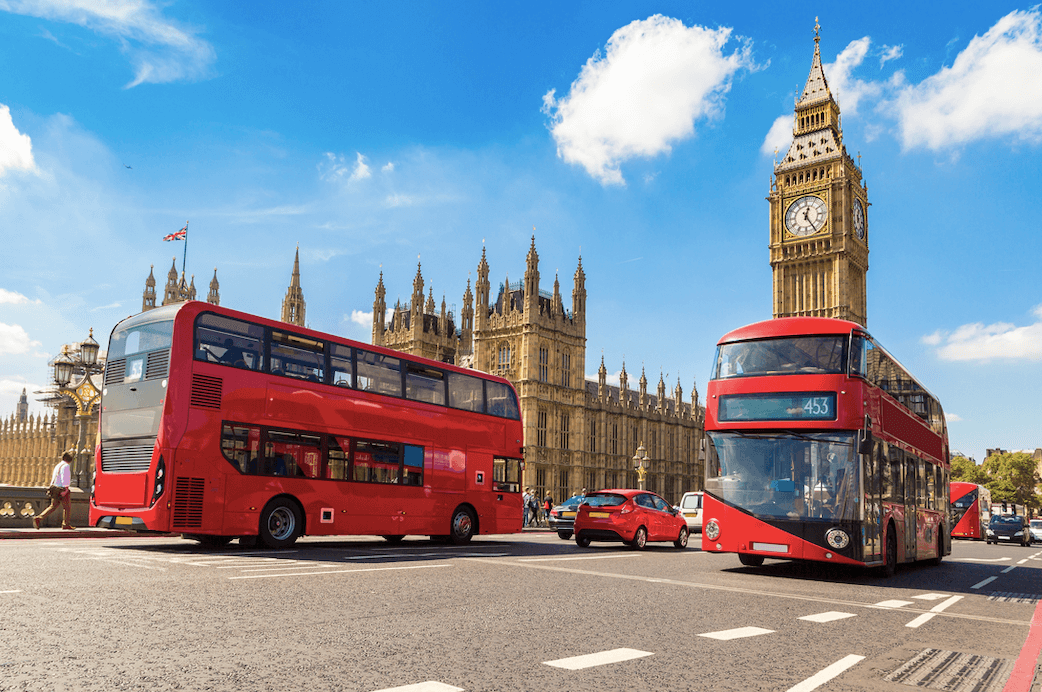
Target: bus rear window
{"points": [[800, 355], [140, 338]]}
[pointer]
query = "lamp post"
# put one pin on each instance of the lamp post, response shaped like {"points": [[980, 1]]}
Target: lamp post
{"points": [[84, 363], [640, 464]]}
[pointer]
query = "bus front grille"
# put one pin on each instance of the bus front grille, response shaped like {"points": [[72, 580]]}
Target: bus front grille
{"points": [[135, 459], [206, 391], [188, 502]]}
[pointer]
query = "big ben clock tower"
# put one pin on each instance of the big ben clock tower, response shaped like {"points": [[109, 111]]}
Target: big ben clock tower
{"points": [[819, 213]]}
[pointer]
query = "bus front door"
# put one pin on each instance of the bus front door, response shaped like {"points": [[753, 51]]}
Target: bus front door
{"points": [[911, 528]]}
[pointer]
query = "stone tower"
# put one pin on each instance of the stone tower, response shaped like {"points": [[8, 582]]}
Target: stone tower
{"points": [[214, 297], [293, 304], [148, 298], [818, 213]]}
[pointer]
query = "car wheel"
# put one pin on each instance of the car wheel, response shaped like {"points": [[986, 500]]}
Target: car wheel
{"points": [[640, 539], [681, 541], [564, 535], [462, 526], [582, 541], [280, 523], [750, 560]]}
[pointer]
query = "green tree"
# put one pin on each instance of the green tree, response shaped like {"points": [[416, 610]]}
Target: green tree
{"points": [[966, 471], [1012, 477]]}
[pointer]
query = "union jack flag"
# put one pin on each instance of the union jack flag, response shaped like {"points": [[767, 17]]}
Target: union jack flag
{"points": [[180, 235]]}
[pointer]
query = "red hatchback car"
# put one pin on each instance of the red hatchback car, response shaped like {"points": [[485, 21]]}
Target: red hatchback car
{"points": [[631, 516]]}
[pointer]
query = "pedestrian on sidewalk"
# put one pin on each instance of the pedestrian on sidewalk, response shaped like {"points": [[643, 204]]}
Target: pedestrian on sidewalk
{"points": [[59, 493]]}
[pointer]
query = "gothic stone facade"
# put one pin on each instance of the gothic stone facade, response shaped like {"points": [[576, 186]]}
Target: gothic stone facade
{"points": [[578, 433]]}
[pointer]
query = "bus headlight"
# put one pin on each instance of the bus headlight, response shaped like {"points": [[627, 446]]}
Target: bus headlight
{"points": [[712, 530], [837, 538]]}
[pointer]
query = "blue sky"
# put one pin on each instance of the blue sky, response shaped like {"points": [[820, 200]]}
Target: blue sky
{"points": [[638, 134]]}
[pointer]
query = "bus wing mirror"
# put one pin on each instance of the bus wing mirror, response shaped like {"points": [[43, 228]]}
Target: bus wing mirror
{"points": [[865, 442]]}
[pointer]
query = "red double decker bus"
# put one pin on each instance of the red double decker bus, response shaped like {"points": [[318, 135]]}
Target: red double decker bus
{"points": [[822, 447], [217, 424], [971, 510]]}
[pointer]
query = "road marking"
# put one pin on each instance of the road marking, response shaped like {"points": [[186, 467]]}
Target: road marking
{"points": [[584, 557], [1021, 562], [120, 562], [336, 571], [598, 659], [892, 604], [442, 554], [981, 559], [818, 679], [983, 583], [737, 633], [429, 686], [1024, 669], [926, 617], [12, 591], [297, 566], [1009, 569], [827, 617], [816, 598], [930, 596]]}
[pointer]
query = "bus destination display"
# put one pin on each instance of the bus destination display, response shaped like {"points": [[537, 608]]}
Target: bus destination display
{"points": [[775, 406]]}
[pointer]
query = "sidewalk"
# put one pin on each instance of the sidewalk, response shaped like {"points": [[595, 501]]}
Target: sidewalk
{"points": [[58, 532]]}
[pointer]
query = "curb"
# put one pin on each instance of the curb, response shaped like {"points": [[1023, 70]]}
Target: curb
{"points": [[29, 534]]}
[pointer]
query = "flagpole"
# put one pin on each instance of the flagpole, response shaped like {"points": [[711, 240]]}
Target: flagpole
{"points": [[184, 259]]}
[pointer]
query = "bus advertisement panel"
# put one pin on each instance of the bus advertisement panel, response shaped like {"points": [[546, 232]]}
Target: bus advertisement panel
{"points": [[822, 447], [217, 424], [971, 510]]}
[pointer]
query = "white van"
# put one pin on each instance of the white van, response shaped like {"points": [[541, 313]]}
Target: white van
{"points": [[691, 508]]}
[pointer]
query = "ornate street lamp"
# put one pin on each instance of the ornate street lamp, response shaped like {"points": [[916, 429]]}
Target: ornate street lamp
{"points": [[640, 460], [83, 393]]}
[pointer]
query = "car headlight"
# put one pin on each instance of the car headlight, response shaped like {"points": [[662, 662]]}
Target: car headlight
{"points": [[990, 532], [837, 538], [712, 530], [1018, 533]]}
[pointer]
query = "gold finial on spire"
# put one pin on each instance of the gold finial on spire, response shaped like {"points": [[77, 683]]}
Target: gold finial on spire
{"points": [[817, 30]]}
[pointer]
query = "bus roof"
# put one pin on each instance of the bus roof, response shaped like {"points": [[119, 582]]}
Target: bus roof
{"points": [[790, 326]]}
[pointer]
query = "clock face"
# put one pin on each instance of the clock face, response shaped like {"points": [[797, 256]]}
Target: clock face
{"points": [[806, 216], [859, 219]]}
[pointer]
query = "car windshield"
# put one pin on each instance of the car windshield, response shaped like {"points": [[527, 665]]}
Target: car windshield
{"points": [[572, 502], [1007, 520], [604, 500], [691, 502], [785, 356], [1036, 523]]}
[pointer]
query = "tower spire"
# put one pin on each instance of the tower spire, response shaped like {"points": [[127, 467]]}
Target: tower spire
{"points": [[293, 305]]}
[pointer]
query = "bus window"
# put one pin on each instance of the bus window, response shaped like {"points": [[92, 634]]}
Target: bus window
{"points": [[466, 392], [783, 356], [375, 462], [413, 459], [506, 475], [336, 464], [424, 384], [292, 454], [858, 344], [241, 446], [141, 338], [295, 356], [379, 374], [501, 400], [340, 366], [229, 342]]}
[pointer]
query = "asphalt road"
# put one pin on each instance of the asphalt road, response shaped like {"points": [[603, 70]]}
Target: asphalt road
{"points": [[520, 612]]}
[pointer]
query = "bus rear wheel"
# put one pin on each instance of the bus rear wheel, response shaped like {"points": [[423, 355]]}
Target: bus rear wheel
{"points": [[462, 526], [890, 559], [750, 560], [280, 523]]}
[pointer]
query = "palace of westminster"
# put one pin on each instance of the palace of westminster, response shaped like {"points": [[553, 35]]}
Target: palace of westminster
{"points": [[583, 433]]}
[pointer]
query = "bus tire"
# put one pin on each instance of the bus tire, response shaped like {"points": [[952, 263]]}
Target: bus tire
{"points": [[750, 560], [890, 558], [462, 526], [640, 539], [681, 541], [209, 541], [280, 523], [564, 535], [393, 539], [936, 562]]}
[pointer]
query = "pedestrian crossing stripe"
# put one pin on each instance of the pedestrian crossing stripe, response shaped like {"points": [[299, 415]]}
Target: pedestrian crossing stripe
{"points": [[737, 633], [597, 659], [827, 617]]}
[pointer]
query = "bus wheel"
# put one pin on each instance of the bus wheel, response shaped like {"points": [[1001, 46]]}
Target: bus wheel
{"points": [[681, 541], [890, 564], [279, 523], [750, 560], [640, 539], [393, 539], [936, 562], [462, 526], [213, 541]]}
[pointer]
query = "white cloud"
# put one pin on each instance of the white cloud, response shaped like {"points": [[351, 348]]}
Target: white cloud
{"points": [[952, 417], [361, 171], [14, 298], [981, 342], [992, 89], [848, 90], [336, 168], [14, 339], [779, 137], [158, 48], [654, 80], [388, 167], [890, 53], [363, 318], [16, 149]]}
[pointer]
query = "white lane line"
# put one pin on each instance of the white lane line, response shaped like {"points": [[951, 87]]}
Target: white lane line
{"points": [[405, 556], [119, 562], [268, 569], [242, 565], [429, 686], [930, 596], [1021, 562], [940, 607], [817, 680], [584, 557], [982, 559], [598, 659], [891, 604], [1009, 569], [983, 583], [336, 571], [827, 617], [12, 591], [738, 633]]}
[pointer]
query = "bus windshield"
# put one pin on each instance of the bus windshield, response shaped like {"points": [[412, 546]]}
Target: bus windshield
{"points": [[786, 475], [783, 356]]}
